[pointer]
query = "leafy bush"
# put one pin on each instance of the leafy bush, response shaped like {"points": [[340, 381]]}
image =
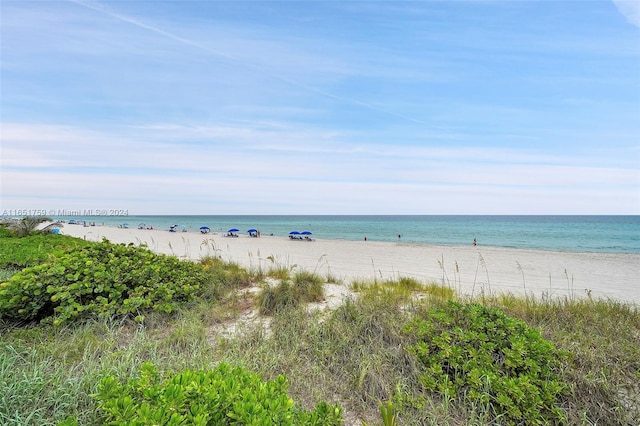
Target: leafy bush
{"points": [[489, 359], [101, 279], [34, 249], [5, 232], [223, 396]]}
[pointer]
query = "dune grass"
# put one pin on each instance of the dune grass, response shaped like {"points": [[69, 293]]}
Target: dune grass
{"points": [[355, 356]]}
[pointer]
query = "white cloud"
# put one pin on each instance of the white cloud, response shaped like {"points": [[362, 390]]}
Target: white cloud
{"points": [[77, 168], [630, 9]]}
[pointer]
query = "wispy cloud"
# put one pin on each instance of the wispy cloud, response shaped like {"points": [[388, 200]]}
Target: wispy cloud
{"points": [[237, 59], [630, 9], [135, 171]]}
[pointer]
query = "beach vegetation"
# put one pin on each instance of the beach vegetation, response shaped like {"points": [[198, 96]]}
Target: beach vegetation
{"points": [[30, 225], [103, 280], [31, 250], [279, 272], [387, 414], [401, 291], [332, 279], [304, 287], [402, 352], [224, 277], [5, 231], [309, 286], [472, 352], [224, 395], [277, 297]]}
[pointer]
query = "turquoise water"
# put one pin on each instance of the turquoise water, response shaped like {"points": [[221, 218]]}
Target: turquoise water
{"points": [[609, 234]]}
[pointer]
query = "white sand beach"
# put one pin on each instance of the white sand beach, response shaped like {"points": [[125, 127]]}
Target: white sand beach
{"points": [[468, 270]]}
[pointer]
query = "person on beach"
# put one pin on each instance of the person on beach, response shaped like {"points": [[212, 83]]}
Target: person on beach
{"points": [[475, 243]]}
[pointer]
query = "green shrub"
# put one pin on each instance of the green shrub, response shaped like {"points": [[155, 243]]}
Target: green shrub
{"points": [[486, 358], [223, 396], [102, 279], [18, 253], [5, 232]]}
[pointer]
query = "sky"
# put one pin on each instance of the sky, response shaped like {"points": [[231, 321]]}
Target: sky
{"points": [[320, 107]]}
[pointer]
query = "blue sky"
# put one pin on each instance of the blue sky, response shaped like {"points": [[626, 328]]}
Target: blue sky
{"points": [[321, 107]]}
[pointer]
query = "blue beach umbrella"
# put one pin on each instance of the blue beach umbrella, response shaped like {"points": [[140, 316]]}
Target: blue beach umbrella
{"points": [[233, 230], [294, 233], [252, 230], [204, 228], [306, 233]]}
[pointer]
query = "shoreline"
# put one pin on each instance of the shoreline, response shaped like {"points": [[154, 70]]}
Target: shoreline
{"points": [[467, 269], [599, 234]]}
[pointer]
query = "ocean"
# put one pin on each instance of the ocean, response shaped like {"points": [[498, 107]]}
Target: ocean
{"points": [[605, 234]]}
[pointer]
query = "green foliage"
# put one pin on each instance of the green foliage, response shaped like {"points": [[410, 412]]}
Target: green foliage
{"points": [[28, 225], [309, 286], [102, 279], [603, 337], [223, 396], [477, 353], [35, 249], [400, 291], [387, 414], [5, 232], [7, 273], [278, 298], [279, 273], [306, 287], [225, 276]]}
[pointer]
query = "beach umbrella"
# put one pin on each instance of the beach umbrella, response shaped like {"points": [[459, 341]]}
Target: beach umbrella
{"points": [[204, 228], [306, 233], [294, 233], [233, 230], [252, 230]]}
